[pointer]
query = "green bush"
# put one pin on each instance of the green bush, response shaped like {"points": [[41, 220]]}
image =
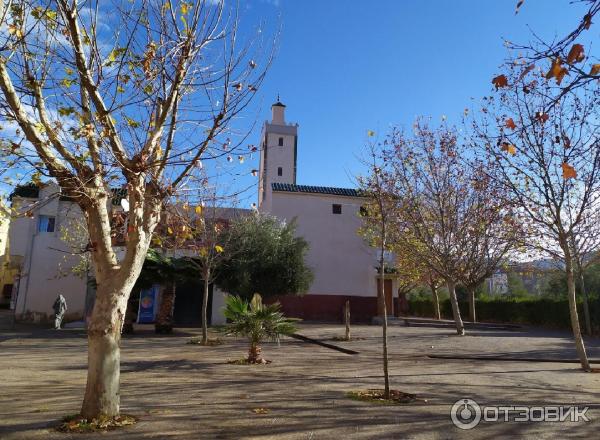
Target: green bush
{"points": [[545, 312]]}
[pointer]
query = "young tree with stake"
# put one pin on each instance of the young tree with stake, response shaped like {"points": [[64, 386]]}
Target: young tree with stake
{"points": [[376, 230]]}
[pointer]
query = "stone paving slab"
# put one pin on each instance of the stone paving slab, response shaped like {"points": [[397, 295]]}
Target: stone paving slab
{"points": [[183, 391]]}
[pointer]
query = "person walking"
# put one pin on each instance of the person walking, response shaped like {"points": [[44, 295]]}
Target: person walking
{"points": [[60, 307]]}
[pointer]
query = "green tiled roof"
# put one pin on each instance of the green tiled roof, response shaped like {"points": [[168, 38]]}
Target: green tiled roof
{"points": [[289, 187], [28, 190]]}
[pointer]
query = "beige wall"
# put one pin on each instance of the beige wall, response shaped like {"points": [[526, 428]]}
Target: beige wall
{"points": [[45, 257], [342, 263]]}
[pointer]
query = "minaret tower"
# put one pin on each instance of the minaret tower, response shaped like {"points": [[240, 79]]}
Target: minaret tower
{"points": [[278, 154]]}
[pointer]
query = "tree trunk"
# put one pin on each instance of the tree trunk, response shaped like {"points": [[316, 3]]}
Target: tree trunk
{"points": [[164, 320], [471, 293], [104, 337], [254, 354], [436, 301], [579, 345], [384, 325], [347, 319], [460, 328], [205, 306], [586, 305], [115, 280]]}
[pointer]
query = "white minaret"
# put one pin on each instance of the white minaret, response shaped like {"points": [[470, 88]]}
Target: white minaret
{"points": [[278, 154]]}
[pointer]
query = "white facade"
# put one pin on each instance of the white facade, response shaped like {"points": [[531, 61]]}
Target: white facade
{"points": [[328, 218], [498, 284], [278, 154], [343, 264], [45, 259]]}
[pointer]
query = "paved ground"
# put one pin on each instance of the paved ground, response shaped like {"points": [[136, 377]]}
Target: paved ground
{"points": [[182, 391]]}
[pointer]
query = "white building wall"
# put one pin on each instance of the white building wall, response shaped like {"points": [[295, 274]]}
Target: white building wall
{"points": [[342, 262], [46, 263], [218, 304], [280, 156], [274, 156]]}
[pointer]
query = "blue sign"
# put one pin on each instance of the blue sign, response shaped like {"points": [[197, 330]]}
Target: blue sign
{"points": [[147, 309]]}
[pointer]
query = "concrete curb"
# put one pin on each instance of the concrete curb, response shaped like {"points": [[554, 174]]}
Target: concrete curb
{"points": [[510, 359]]}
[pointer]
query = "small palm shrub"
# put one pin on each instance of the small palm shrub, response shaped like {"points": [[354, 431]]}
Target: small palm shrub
{"points": [[257, 322]]}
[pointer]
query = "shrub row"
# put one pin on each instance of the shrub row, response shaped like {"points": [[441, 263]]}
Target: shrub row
{"points": [[534, 311]]}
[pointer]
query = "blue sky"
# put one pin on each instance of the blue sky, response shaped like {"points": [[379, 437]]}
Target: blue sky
{"points": [[347, 66]]}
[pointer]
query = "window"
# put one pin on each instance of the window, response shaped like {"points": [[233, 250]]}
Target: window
{"points": [[280, 171], [336, 209], [281, 142], [46, 223], [364, 212]]}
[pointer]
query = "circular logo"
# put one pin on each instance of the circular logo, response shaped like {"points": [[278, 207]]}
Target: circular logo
{"points": [[465, 413]]}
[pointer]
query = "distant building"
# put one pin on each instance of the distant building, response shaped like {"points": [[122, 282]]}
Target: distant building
{"points": [[37, 254], [497, 284], [328, 218]]}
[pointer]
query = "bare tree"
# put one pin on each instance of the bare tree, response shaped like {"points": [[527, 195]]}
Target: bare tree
{"points": [[547, 157], [445, 209], [494, 234], [140, 104]]}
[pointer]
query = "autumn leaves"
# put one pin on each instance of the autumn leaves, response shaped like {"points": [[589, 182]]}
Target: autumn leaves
{"points": [[556, 72]]}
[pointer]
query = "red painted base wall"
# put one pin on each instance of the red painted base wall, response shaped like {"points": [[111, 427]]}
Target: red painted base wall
{"points": [[327, 308]]}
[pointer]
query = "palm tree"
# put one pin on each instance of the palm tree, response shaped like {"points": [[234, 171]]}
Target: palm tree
{"points": [[257, 322]]}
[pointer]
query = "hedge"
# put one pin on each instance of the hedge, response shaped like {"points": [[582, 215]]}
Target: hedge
{"points": [[534, 311]]}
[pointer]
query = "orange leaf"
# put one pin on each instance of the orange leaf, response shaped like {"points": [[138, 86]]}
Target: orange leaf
{"points": [[500, 81], [541, 117], [260, 410], [561, 75], [576, 54], [510, 124], [595, 70], [568, 171], [509, 148], [557, 71]]}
